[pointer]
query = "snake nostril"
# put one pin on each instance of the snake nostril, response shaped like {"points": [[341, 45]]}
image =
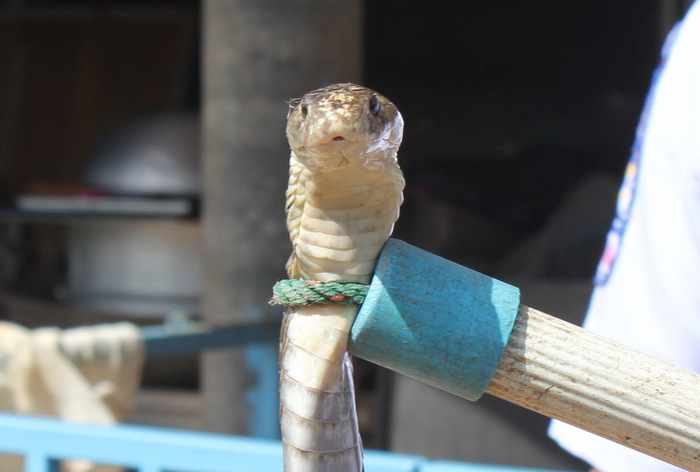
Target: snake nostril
{"points": [[338, 138]]}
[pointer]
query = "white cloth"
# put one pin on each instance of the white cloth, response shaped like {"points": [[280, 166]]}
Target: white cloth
{"points": [[647, 293], [87, 375]]}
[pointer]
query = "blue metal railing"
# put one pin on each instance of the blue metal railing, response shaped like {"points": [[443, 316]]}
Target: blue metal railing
{"points": [[44, 442], [186, 337], [258, 341]]}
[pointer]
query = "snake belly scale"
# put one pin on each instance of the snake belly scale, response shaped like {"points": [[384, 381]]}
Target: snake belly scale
{"points": [[345, 190]]}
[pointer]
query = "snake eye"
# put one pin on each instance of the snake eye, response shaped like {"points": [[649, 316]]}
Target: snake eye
{"points": [[374, 105], [304, 110]]}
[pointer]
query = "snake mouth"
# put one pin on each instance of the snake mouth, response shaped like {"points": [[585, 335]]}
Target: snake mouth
{"points": [[331, 147]]}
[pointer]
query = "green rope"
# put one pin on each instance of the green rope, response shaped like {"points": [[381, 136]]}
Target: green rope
{"points": [[296, 292]]}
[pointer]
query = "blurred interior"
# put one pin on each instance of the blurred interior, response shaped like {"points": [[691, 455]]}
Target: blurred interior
{"points": [[519, 117]]}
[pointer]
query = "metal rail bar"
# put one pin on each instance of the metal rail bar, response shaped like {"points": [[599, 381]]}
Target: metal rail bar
{"points": [[44, 442], [190, 337]]}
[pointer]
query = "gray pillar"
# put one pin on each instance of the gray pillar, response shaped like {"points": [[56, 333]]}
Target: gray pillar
{"points": [[257, 55]]}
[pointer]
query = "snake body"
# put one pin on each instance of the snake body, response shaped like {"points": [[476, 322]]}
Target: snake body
{"points": [[345, 190]]}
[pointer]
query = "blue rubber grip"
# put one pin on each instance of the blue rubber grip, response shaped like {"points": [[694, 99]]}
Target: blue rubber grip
{"points": [[434, 320]]}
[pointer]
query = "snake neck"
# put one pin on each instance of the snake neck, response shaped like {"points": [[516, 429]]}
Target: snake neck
{"points": [[349, 213]]}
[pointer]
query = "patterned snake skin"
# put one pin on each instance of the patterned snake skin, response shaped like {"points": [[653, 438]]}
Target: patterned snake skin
{"points": [[345, 190]]}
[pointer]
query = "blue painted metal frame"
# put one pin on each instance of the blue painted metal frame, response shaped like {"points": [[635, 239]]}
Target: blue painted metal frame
{"points": [[259, 343], [445, 466], [191, 337], [45, 441]]}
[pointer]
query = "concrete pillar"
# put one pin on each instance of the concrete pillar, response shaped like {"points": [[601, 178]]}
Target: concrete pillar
{"points": [[257, 55]]}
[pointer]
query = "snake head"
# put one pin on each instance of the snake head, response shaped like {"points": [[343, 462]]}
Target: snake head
{"points": [[342, 124]]}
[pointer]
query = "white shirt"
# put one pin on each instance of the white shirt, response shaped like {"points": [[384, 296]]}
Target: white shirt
{"points": [[647, 293]]}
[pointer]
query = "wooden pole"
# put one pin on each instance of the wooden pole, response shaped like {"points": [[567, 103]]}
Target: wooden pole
{"points": [[467, 333], [564, 372], [257, 55]]}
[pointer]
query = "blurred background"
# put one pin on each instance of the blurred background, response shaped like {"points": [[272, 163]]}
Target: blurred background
{"points": [[143, 164]]}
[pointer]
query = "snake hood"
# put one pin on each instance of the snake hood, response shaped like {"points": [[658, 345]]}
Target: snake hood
{"points": [[332, 126], [345, 184]]}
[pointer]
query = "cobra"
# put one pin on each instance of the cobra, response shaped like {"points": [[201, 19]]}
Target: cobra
{"points": [[344, 194]]}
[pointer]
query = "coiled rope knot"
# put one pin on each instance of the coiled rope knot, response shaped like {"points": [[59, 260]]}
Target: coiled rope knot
{"points": [[299, 292]]}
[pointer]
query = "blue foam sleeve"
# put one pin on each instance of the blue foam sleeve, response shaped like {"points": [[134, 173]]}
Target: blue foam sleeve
{"points": [[434, 320]]}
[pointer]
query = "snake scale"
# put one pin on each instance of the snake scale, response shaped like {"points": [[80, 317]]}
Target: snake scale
{"points": [[345, 190]]}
